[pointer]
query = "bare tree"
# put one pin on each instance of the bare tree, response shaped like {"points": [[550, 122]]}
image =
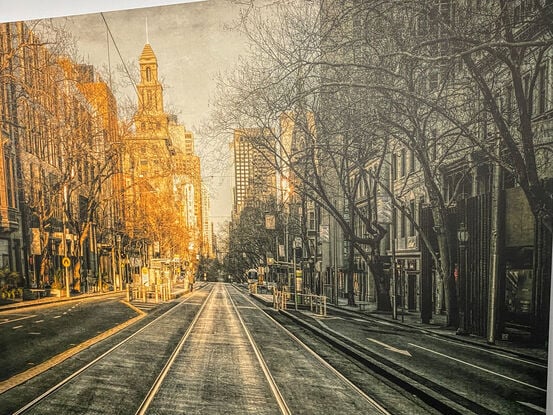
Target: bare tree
{"points": [[317, 149]]}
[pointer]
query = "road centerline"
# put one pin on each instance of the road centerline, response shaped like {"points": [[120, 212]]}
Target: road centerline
{"points": [[17, 319]]}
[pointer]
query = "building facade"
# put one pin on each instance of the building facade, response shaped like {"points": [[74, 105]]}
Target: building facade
{"points": [[84, 203], [55, 157]]}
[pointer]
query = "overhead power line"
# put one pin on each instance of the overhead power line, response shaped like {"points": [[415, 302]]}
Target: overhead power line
{"points": [[119, 53]]}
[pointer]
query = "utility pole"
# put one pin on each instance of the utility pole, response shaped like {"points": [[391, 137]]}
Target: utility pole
{"points": [[335, 264], [393, 241]]}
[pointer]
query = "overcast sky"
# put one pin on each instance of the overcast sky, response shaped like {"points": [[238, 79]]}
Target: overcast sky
{"points": [[191, 41]]}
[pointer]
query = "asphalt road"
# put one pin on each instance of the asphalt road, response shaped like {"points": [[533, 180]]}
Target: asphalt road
{"points": [[30, 336], [228, 356], [505, 383], [222, 354]]}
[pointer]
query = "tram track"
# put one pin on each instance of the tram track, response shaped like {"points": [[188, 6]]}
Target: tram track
{"points": [[377, 407], [433, 394], [65, 384], [149, 399], [189, 345], [283, 406]]}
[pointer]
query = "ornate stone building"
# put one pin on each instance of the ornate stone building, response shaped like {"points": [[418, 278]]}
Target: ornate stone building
{"points": [[162, 178]]}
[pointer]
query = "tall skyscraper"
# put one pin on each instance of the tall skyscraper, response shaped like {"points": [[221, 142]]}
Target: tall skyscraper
{"points": [[254, 167]]}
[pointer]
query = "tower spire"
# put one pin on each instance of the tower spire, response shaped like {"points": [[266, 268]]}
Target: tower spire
{"points": [[147, 34]]}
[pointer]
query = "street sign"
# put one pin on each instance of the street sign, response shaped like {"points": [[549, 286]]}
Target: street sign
{"points": [[66, 262], [270, 222]]}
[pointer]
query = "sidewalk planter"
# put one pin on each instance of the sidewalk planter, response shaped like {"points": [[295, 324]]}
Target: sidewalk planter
{"points": [[11, 293], [55, 292]]}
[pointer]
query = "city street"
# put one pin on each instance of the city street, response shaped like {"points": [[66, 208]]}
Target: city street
{"points": [[222, 354], [215, 350], [277, 207], [30, 336], [503, 380]]}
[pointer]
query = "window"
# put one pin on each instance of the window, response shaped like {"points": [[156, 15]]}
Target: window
{"points": [[433, 146], [422, 25], [394, 167], [446, 11], [433, 80], [148, 74], [542, 90], [528, 93], [10, 182], [412, 223], [508, 103], [402, 225], [523, 10], [413, 160], [311, 220]]}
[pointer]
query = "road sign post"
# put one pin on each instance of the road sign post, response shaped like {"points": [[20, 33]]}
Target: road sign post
{"points": [[66, 262]]}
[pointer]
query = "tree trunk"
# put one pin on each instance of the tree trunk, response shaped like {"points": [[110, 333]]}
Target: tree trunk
{"points": [[382, 285], [351, 290], [445, 268]]}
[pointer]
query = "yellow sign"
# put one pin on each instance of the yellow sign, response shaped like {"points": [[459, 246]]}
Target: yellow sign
{"points": [[66, 262]]}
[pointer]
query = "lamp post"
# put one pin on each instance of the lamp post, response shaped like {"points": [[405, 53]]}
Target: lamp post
{"points": [[66, 262], [462, 237]]}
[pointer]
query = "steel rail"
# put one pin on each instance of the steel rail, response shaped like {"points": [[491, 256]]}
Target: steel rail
{"points": [[75, 374], [323, 362], [284, 409], [162, 375], [433, 394]]}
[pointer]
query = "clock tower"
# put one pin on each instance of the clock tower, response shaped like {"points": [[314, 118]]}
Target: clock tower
{"points": [[150, 118]]}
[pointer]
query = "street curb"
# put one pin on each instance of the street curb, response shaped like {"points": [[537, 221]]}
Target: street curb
{"points": [[54, 300]]}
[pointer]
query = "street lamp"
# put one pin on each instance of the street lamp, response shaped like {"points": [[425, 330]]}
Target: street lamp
{"points": [[463, 237]]}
